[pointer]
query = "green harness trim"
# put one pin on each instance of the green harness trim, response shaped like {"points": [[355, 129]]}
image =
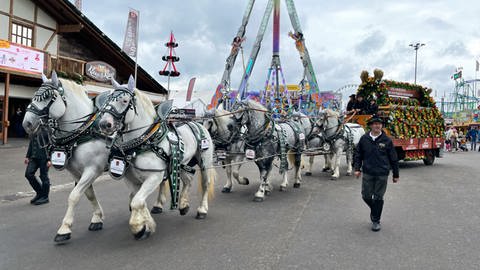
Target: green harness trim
{"points": [[176, 156], [282, 139]]}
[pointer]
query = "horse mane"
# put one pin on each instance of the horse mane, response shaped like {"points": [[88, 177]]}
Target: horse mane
{"points": [[332, 113], [223, 120], [77, 89], [146, 102], [256, 105]]}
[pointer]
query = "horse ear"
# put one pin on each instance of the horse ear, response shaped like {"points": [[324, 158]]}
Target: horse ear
{"points": [[55, 78], [44, 78], [115, 84], [131, 84]]}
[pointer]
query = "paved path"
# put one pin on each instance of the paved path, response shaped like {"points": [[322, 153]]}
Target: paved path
{"points": [[431, 221]]}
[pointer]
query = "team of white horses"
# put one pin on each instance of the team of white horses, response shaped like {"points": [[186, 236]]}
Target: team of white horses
{"points": [[123, 132]]}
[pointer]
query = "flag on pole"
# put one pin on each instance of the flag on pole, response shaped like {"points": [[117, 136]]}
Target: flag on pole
{"points": [[456, 75], [190, 89], [130, 43], [478, 66]]}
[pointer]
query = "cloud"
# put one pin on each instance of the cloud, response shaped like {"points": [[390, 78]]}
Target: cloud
{"points": [[373, 42], [343, 38], [455, 48], [439, 24]]}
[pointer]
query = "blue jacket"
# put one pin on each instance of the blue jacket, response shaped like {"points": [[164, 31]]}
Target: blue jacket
{"points": [[473, 133]]}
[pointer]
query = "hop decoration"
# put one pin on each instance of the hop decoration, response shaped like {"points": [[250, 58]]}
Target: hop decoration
{"points": [[406, 117], [373, 87], [406, 122]]}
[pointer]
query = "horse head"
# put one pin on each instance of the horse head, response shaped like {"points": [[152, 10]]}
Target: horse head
{"points": [[47, 103], [120, 107], [224, 126]]}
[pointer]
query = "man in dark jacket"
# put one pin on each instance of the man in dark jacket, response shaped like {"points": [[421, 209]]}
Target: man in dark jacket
{"points": [[375, 155], [35, 159], [372, 107], [360, 105], [351, 104]]}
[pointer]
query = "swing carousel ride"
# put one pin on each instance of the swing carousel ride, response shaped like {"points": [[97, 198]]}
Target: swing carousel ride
{"points": [[276, 95]]}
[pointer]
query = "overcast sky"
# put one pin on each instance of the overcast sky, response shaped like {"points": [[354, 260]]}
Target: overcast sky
{"points": [[343, 37]]}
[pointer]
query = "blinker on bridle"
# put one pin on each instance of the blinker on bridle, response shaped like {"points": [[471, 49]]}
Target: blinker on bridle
{"points": [[117, 93], [46, 90]]}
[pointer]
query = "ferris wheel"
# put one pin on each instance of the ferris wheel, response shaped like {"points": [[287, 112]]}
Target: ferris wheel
{"points": [[344, 92]]}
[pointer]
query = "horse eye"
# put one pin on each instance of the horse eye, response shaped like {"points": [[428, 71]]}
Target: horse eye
{"points": [[230, 127]]}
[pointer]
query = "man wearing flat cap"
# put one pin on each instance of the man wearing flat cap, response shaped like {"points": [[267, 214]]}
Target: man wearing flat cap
{"points": [[375, 156]]}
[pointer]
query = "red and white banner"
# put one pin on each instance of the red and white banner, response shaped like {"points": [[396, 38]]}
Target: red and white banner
{"points": [[130, 43], [18, 58], [190, 89]]}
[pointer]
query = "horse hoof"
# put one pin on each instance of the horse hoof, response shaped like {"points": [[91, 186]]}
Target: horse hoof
{"points": [[258, 199], [62, 238], [333, 178], [268, 192], [349, 174], [325, 169], [184, 211], [282, 188], [97, 226], [201, 215], [296, 185], [142, 234], [226, 190], [156, 210], [308, 174]]}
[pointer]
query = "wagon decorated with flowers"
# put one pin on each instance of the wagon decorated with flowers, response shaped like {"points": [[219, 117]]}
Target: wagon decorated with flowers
{"points": [[410, 114]]}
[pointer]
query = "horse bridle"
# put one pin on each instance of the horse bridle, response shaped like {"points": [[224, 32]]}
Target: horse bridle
{"points": [[48, 90], [224, 141], [325, 124], [117, 93], [258, 133]]}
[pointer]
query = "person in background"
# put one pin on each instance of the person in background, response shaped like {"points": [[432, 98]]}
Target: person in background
{"points": [[454, 139], [473, 134], [372, 108], [17, 123], [375, 156], [35, 159], [360, 105], [351, 104]]}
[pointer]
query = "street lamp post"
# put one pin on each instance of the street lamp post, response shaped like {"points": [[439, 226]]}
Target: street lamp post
{"points": [[416, 47]]}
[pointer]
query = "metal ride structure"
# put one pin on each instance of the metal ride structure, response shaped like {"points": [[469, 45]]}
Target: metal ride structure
{"points": [[463, 101], [275, 74], [170, 58]]}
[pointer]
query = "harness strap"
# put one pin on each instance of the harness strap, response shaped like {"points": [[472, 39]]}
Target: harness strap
{"points": [[282, 138]]}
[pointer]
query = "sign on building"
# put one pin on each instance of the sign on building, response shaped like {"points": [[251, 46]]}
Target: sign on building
{"points": [[100, 71], [21, 59]]}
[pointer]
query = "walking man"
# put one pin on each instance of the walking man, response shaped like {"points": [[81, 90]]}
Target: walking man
{"points": [[35, 159], [473, 134], [374, 157]]}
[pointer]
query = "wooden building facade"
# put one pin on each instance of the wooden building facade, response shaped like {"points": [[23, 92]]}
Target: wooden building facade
{"points": [[38, 36]]}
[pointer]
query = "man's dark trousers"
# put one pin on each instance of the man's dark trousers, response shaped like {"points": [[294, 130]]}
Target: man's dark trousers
{"points": [[373, 189], [33, 165]]}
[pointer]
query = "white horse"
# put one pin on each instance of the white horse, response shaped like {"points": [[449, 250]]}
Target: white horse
{"points": [[338, 137], [66, 103], [131, 114], [264, 140], [226, 135]]}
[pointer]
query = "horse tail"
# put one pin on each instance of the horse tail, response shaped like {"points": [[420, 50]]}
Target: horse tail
{"points": [[211, 175]]}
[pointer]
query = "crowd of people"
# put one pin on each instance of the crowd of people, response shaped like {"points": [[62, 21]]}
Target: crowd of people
{"points": [[456, 140], [358, 105]]}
